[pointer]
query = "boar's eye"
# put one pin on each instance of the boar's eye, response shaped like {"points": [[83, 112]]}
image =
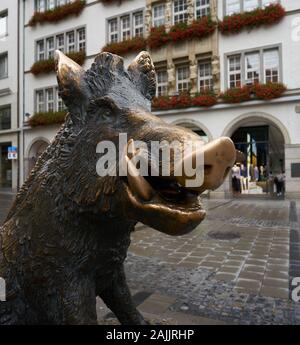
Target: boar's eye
{"points": [[103, 108], [105, 113]]}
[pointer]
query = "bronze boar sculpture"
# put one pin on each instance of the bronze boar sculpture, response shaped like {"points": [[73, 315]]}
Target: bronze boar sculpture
{"points": [[66, 236]]}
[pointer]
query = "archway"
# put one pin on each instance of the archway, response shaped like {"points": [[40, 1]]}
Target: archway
{"points": [[262, 142], [196, 127], [35, 150]]}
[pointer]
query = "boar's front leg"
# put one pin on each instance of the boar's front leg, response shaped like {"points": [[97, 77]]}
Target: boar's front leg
{"points": [[118, 299]]}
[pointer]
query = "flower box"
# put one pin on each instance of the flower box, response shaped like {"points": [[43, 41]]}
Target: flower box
{"points": [[236, 95], [47, 118], [268, 91], [58, 13], [48, 66], [133, 45], [199, 29], [184, 100], [235, 23]]}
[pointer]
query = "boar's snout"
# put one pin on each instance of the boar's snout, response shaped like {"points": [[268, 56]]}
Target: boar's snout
{"points": [[219, 157]]}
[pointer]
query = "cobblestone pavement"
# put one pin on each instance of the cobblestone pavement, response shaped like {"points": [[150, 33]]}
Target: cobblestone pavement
{"points": [[235, 267]]}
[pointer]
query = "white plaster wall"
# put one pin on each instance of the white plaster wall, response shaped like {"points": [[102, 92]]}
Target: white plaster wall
{"points": [[93, 18], [287, 33], [9, 44]]}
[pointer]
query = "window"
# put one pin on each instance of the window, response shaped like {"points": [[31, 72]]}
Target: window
{"points": [[125, 28], [180, 13], [50, 4], [233, 6], [70, 42], [5, 118], [50, 47], [271, 66], [236, 6], [81, 39], [158, 15], [252, 68], [49, 100], [248, 68], [61, 2], [162, 82], [202, 8], [39, 101], [183, 79], [40, 5], [3, 23], [138, 24], [205, 76], [67, 43], [3, 66], [60, 106], [60, 42], [266, 3], [40, 54], [113, 30], [235, 73], [250, 5]]}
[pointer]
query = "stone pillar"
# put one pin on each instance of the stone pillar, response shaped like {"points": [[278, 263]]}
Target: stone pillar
{"points": [[215, 64], [193, 76], [292, 184], [171, 78]]}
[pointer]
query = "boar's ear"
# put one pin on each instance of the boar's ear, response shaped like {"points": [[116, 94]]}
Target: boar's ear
{"points": [[142, 73], [72, 86]]}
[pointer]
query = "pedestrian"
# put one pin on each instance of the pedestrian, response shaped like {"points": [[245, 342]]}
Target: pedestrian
{"points": [[280, 183]]}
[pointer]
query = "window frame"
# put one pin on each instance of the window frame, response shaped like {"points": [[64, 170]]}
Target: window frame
{"points": [[164, 84], [139, 26], [6, 107], [66, 46], [4, 14], [44, 104], [252, 70], [5, 56], [119, 23], [198, 7], [186, 80], [209, 78], [110, 33], [242, 7], [261, 51], [182, 12], [158, 18]]}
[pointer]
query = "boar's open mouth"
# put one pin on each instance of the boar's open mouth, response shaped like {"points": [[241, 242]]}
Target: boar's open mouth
{"points": [[171, 191]]}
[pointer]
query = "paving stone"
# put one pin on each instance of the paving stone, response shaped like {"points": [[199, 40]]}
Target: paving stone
{"points": [[249, 284], [225, 276], [229, 269], [253, 268], [275, 292], [275, 282], [156, 304], [251, 276]]}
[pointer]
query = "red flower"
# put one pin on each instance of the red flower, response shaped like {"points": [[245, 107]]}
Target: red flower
{"points": [[236, 95], [134, 44], [268, 91], [158, 37], [58, 13], [47, 66], [248, 20]]}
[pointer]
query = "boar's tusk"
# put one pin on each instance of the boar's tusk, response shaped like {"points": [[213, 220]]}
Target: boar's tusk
{"points": [[137, 183]]}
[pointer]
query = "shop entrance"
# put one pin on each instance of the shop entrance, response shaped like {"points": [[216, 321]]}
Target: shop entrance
{"points": [[263, 161], [5, 167]]}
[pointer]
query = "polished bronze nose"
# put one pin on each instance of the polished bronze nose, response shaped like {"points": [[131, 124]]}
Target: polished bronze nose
{"points": [[219, 157]]}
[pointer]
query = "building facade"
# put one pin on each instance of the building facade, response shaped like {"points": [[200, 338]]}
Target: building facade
{"points": [[193, 56], [9, 111]]}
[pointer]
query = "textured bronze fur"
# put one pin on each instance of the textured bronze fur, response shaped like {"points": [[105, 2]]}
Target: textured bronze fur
{"points": [[66, 236]]}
